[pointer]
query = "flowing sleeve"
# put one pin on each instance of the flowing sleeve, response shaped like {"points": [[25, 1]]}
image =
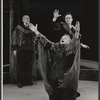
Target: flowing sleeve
{"points": [[71, 76], [56, 25], [45, 55], [14, 39], [13, 60]]}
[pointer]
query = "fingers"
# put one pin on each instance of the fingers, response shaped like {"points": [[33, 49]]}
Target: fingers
{"points": [[59, 15], [56, 13], [78, 23], [36, 26], [31, 25], [56, 10], [87, 47]]}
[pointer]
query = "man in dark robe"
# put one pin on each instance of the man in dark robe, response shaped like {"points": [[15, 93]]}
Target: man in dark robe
{"points": [[59, 67], [23, 49]]}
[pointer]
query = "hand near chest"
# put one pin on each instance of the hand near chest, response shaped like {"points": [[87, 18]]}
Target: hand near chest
{"points": [[32, 27]]}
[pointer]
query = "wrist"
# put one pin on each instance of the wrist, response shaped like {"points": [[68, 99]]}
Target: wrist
{"points": [[37, 32], [54, 19]]}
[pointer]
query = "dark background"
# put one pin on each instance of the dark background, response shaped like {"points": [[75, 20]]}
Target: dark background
{"points": [[41, 13]]}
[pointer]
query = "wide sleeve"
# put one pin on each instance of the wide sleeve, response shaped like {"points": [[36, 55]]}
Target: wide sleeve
{"points": [[56, 25], [14, 38], [13, 58]]}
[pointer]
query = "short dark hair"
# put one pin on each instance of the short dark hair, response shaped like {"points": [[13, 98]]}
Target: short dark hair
{"points": [[68, 13]]}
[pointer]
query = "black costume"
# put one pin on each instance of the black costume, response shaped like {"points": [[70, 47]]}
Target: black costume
{"points": [[62, 28], [23, 42]]}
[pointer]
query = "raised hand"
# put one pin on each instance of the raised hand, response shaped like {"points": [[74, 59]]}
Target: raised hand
{"points": [[56, 13], [77, 26], [32, 27], [77, 29]]}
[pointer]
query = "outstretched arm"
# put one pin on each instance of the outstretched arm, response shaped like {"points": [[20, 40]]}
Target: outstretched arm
{"points": [[77, 34], [45, 42], [55, 25], [77, 30], [85, 46]]}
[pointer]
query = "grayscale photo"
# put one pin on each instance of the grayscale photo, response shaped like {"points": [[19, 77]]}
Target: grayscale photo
{"points": [[50, 50]]}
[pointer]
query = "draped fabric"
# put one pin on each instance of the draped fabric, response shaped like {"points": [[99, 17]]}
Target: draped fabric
{"points": [[60, 70], [18, 40], [14, 67]]}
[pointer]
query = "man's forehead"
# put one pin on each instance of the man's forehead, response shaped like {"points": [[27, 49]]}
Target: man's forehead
{"points": [[68, 16], [25, 16], [66, 36]]}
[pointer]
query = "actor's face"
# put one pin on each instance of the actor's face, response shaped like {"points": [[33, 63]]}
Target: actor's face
{"points": [[68, 19], [65, 39], [26, 19]]}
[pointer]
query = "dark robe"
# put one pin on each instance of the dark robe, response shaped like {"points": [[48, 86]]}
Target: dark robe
{"points": [[23, 40], [60, 67], [61, 28]]}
